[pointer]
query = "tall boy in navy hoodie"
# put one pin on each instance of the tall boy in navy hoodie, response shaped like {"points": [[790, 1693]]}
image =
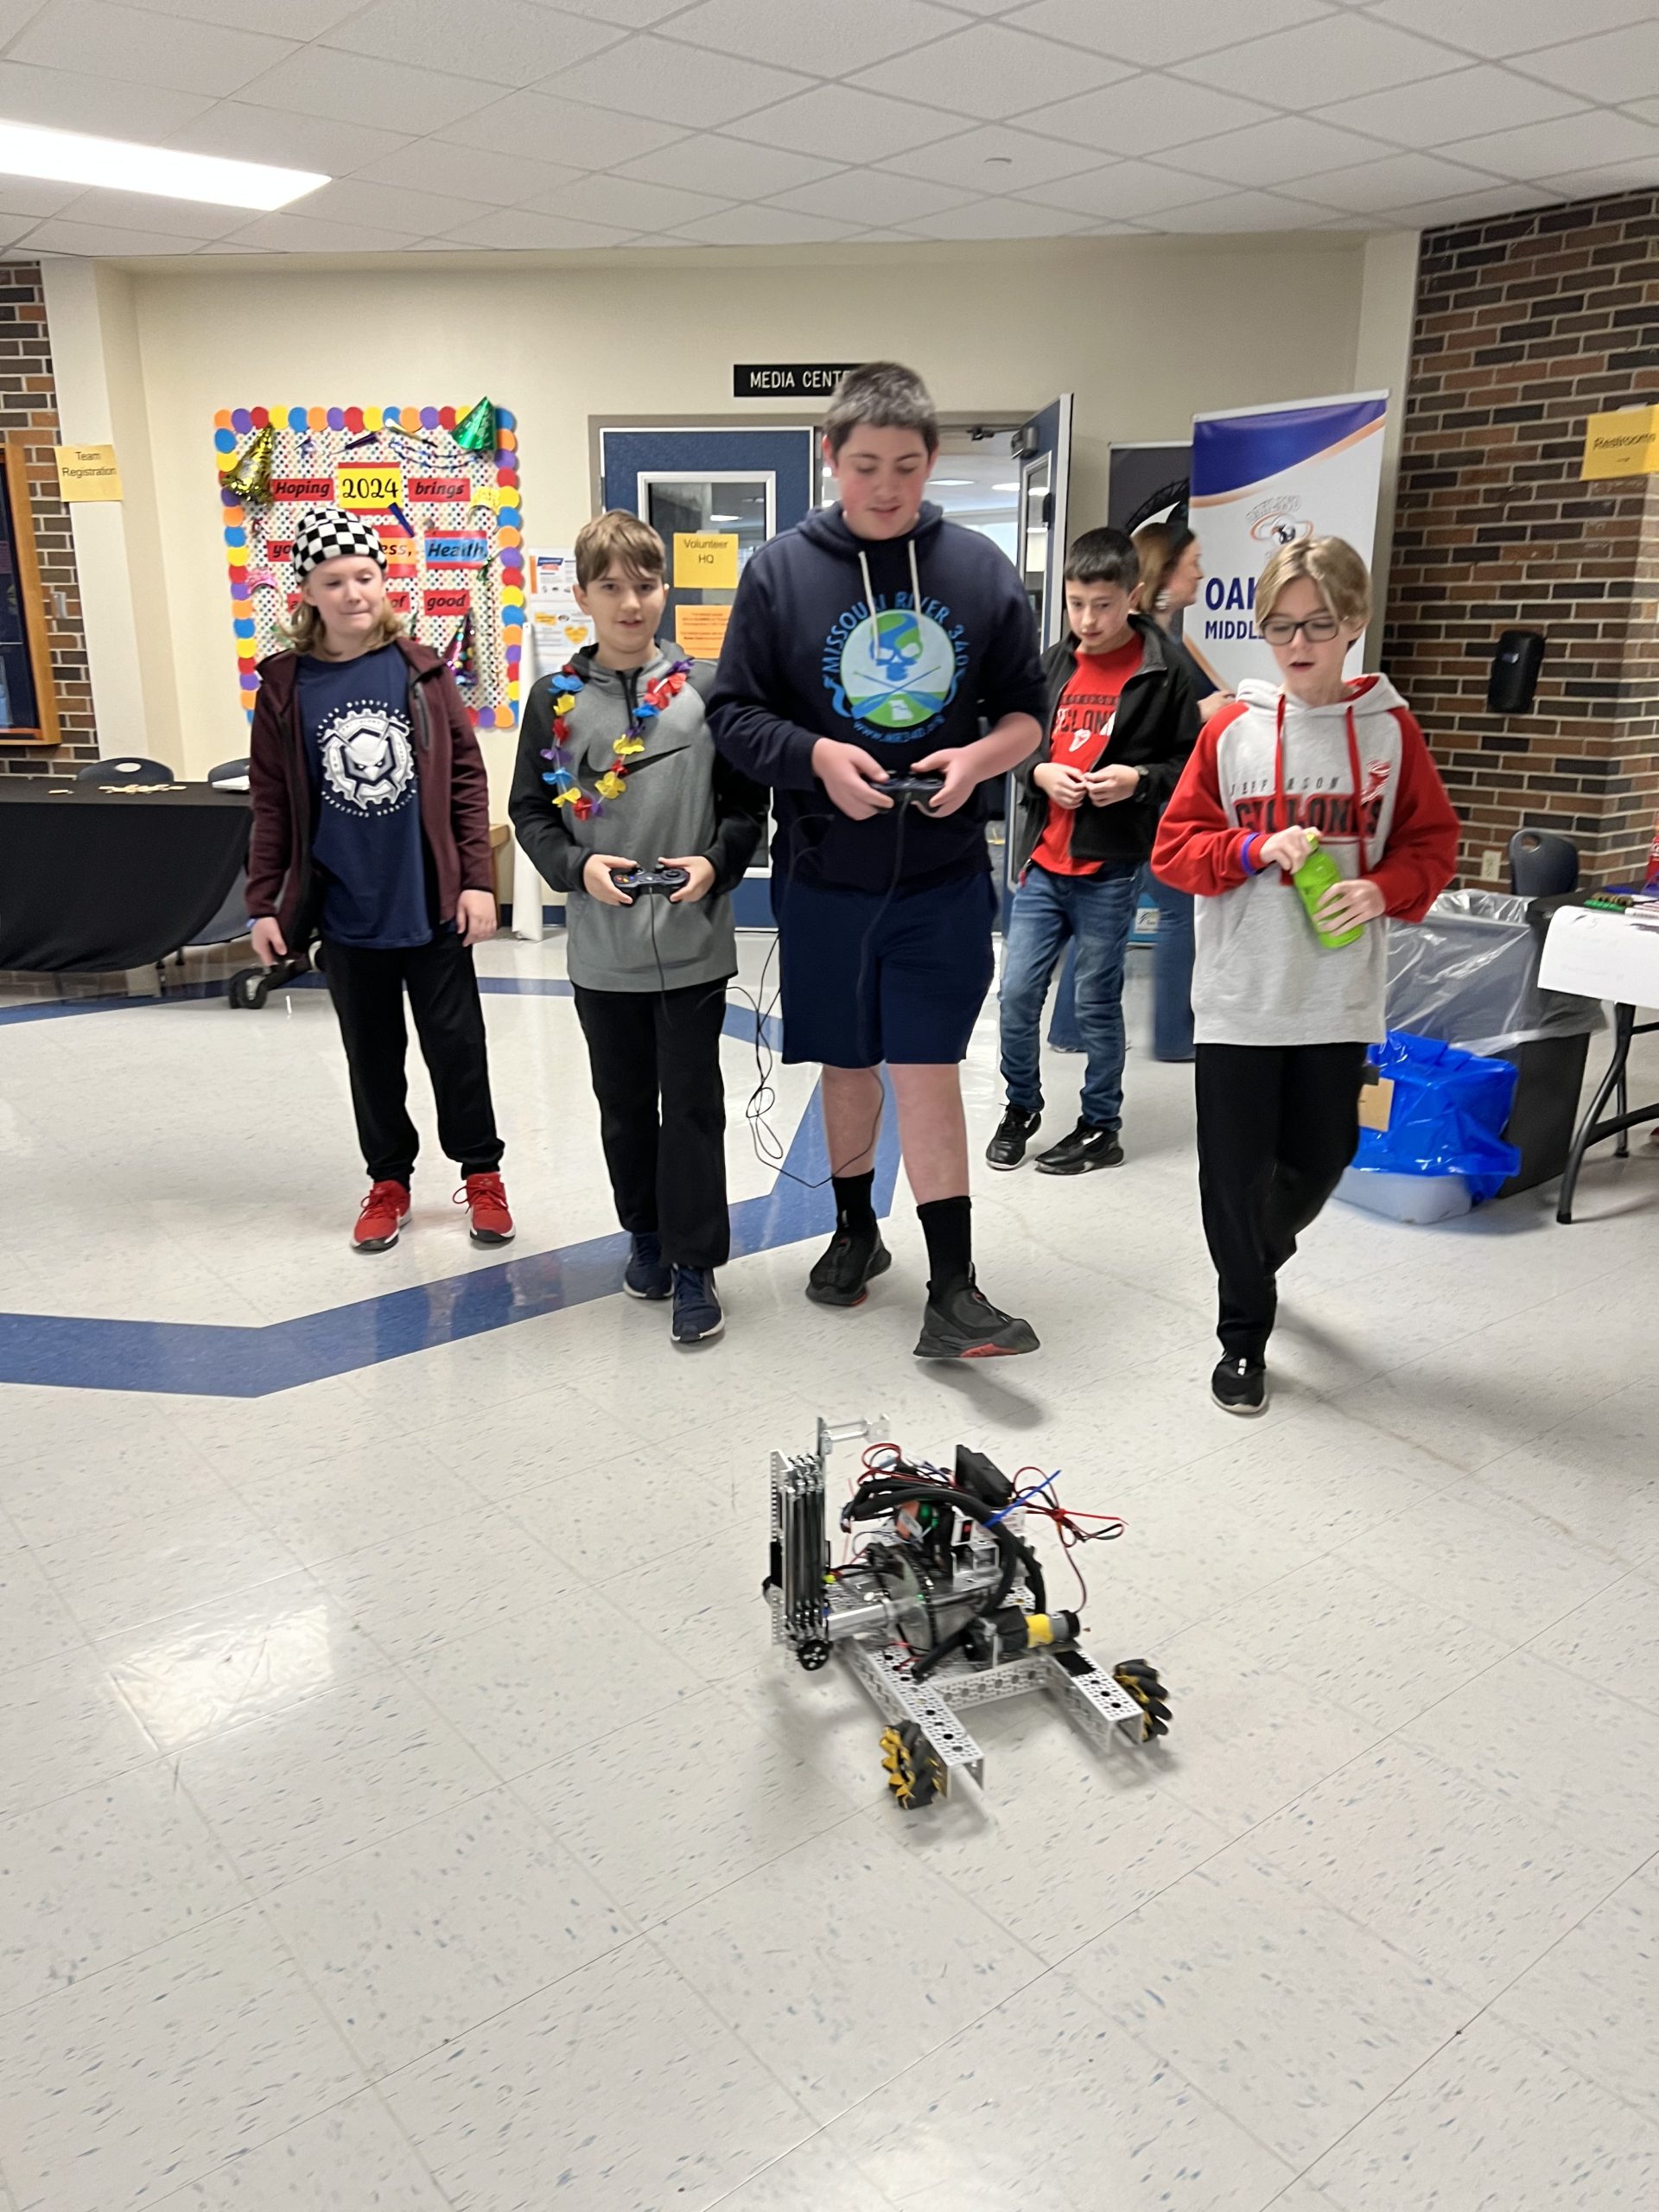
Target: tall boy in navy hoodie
{"points": [[873, 640]]}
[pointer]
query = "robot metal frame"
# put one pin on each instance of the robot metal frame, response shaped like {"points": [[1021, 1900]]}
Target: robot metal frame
{"points": [[943, 1609]]}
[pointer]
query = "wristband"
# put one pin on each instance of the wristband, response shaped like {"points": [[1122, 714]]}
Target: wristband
{"points": [[1247, 852]]}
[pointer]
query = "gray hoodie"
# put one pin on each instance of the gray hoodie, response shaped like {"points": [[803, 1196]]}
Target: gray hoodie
{"points": [[694, 803]]}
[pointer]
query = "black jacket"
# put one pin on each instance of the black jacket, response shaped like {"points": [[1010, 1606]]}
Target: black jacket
{"points": [[1156, 726]]}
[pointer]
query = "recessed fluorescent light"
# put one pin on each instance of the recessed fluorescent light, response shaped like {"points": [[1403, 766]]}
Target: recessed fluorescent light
{"points": [[950, 483], [69, 157], [1005, 487]]}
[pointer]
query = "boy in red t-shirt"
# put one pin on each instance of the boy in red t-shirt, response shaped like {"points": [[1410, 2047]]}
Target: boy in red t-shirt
{"points": [[1121, 720]]}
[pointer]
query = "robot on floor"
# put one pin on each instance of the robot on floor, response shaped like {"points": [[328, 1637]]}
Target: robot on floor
{"points": [[939, 1605]]}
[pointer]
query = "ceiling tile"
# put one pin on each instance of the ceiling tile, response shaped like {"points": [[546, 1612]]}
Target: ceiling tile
{"points": [[229, 246], [302, 234], [632, 14], [1144, 115], [130, 44], [1496, 28], [35, 197], [1125, 191], [1152, 36], [763, 226], [624, 203], [560, 130], [519, 227], [1609, 68], [1342, 56], [295, 142], [1588, 141], [500, 179], [1647, 110], [1266, 153], [1000, 218], [1374, 187], [356, 200], [63, 100], [872, 196], [1431, 113], [711, 163], [61, 237], [1474, 206], [844, 124], [989, 71], [514, 43], [994, 159], [803, 38], [316, 79], [189, 221], [295, 19], [1603, 182], [654, 77], [1244, 211]]}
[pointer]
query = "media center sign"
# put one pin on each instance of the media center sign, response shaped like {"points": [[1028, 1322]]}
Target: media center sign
{"points": [[787, 380]]}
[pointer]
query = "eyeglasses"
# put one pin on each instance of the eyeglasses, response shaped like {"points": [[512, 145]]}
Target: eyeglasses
{"points": [[1318, 629]]}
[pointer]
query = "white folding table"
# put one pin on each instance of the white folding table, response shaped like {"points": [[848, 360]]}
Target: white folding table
{"points": [[1602, 955]]}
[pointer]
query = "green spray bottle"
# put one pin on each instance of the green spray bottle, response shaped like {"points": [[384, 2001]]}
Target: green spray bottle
{"points": [[1313, 879]]}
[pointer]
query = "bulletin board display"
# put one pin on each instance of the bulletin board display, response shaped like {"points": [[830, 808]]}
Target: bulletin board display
{"points": [[449, 519]]}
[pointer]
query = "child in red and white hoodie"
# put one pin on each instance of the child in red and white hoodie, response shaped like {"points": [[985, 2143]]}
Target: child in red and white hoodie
{"points": [[1283, 1021]]}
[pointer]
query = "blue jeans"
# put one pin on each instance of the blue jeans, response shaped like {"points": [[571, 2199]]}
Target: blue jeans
{"points": [[1096, 912], [1171, 972]]}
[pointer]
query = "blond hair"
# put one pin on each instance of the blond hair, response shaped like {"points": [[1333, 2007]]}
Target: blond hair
{"points": [[305, 632], [1159, 546], [619, 536], [1331, 565]]}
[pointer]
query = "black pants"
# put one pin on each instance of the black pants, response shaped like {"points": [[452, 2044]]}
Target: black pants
{"points": [[368, 994], [655, 1058], [1277, 1125]]}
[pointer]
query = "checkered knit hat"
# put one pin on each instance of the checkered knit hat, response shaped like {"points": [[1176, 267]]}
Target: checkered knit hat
{"points": [[325, 533]]}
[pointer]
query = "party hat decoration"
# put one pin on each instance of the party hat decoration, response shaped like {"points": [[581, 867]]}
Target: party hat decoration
{"points": [[475, 432], [249, 474]]}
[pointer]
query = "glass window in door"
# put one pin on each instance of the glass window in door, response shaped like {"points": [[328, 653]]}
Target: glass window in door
{"points": [[711, 525]]}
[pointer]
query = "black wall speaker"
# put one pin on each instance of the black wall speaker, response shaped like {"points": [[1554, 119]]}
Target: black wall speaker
{"points": [[1514, 678]]}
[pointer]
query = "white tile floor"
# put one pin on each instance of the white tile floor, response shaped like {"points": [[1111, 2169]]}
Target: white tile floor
{"points": [[401, 1806]]}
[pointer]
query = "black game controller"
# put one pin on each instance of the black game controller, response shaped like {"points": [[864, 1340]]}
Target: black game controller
{"points": [[912, 790], [650, 882]]}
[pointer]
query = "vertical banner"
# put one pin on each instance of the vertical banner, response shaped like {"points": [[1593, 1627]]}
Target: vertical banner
{"points": [[1261, 478]]}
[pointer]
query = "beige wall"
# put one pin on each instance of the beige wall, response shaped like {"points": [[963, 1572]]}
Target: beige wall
{"points": [[1144, 332]]}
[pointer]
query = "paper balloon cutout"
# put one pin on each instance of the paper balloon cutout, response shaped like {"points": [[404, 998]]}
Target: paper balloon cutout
{"points": [[475, 432], [462, 654], [249, 474]]}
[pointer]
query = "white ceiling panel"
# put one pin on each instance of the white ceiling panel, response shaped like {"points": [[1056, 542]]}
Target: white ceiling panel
{"points": [[318, 81], [185, 220], [1433, 113], [521, 45], [295, 19], [843, 125], [1614, 66], [1124, 192], [631, 14], [873, 196], [1344, 55], [1592, 184], [519, 227], [1474, 206], [764, 226], [1153, 36], [1575, 142], [500, 179], [1374, 187], [356, 200], [13, 14], [624, 203], [712, 163], [305, 234], [1246, 211], [824, 40], [34, 198], [675, 84], [297, 142], [989, 72], [139, 48], [1144, 115], [65, 99], [1266, 153], [995, 159], [1496, 28], [560, 131], [100, 239], [1000, 218]]}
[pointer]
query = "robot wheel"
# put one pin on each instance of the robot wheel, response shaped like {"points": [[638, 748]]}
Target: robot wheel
{"points": [[1140, 1678], [914, 1774]]}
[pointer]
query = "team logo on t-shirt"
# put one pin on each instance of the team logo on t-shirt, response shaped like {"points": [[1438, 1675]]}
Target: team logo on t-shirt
{"points": [[894, 670], [368, 764]]}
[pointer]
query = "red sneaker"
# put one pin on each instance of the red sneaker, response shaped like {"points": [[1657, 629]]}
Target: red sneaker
{"points": [[380, 1217], [485, 1200]]}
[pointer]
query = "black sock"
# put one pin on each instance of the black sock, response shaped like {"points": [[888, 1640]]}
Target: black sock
{"points": [[947, 1225], [854, 1204]]}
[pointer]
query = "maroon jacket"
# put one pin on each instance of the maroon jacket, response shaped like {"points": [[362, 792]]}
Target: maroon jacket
{"points": [[453, 787]]}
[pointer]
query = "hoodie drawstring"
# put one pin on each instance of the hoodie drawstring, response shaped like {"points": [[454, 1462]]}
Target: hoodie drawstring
{"points": [[1280, 811], [915, 580]]}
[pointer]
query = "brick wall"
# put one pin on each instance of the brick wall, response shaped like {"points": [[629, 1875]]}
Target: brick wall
{"points": [[1525, 326], [28, 410]]}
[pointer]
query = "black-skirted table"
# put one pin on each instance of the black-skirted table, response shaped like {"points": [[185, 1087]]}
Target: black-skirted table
{"points": [[93, 878], [1604, 955]]}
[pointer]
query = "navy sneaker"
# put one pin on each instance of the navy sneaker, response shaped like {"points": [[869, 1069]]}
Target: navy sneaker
{"points": [[647, 1275], [696, 1305]]}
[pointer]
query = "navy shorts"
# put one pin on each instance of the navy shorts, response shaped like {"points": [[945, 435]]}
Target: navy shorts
{"points": [[867, 978]]}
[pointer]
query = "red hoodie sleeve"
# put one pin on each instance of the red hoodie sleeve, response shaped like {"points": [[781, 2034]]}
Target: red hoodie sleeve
{"points": [[469, 791], [270, 838], [1198, 848], [1420, 857]]}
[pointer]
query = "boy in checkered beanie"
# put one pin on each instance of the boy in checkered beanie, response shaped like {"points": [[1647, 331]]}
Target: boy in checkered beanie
{"points": [[371, 829]]}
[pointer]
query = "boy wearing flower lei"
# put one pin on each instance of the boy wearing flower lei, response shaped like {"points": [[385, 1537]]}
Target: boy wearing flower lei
{"points": [[616, 770]]}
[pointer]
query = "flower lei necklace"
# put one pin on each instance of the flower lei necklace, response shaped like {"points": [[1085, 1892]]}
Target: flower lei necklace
{"points": [[625, 751]]}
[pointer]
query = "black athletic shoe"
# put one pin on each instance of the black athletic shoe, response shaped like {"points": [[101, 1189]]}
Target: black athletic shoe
{"points": [[842, 1276], [963, 1323], [1239, 1386], [1014, 1133], [1087, 1147]]}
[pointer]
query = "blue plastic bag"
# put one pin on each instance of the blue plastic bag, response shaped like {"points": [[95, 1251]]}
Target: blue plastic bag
{"points": [[1449, 1112]]}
